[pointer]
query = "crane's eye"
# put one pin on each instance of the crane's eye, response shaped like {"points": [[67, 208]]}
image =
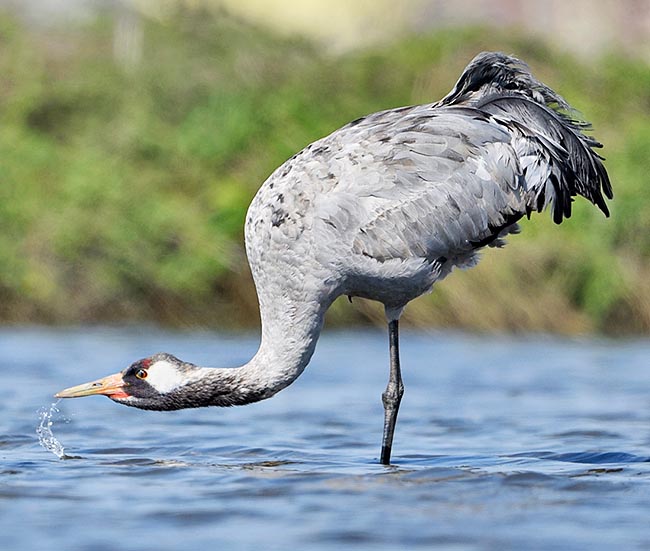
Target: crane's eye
{"points": [[141, 373]]}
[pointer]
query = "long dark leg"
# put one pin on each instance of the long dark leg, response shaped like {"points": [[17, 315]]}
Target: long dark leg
{"points": [[392, 396]]}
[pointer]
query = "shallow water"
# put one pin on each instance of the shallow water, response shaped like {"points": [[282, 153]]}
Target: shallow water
{"points": [[502, 443]]}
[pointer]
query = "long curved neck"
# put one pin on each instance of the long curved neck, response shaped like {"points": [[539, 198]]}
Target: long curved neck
{"points": [[290, 329]]}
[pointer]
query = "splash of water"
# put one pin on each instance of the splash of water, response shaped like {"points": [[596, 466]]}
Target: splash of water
{"points": [[44, 431]]}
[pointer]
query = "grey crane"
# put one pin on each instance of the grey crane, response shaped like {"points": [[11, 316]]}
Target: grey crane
{"points": [[383, 208]]}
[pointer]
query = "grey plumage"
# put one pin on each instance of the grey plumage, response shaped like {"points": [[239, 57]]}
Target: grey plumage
{"points": [[383, 208], [390, 203]]}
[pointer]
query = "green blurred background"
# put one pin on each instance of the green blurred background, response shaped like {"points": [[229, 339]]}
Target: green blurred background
{"points": [[134, 135]]}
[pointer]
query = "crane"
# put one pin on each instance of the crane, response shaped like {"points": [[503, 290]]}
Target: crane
{"points": [[383, 208]]}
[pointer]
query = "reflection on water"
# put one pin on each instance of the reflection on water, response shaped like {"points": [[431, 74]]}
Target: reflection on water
{"points": [[502, 443]]}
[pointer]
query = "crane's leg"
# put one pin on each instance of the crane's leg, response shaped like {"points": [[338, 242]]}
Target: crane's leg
{"points": [[392, 396]]}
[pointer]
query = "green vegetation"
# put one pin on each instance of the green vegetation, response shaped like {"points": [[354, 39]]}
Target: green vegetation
{"points": [[123, 192]]}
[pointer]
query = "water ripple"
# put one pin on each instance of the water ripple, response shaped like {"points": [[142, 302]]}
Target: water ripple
{"points": [[502, 443]]}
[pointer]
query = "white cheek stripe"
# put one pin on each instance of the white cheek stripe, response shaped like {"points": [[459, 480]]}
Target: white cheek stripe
{"points": [[164, 377]]}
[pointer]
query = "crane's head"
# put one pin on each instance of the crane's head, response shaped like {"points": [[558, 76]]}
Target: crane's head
{"points": [[157, 382]]}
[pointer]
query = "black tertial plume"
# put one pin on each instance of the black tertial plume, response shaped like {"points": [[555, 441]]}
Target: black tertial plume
{"points": [[503, 86], [496, 73]]}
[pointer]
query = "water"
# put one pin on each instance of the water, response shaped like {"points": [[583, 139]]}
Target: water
{"points": [[502, 443]]}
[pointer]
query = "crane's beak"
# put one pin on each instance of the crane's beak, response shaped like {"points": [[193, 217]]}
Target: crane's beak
{"points": [[112, 386]]}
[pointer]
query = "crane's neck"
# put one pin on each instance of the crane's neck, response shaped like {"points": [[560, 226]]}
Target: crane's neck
{"points": [[291, 326]]}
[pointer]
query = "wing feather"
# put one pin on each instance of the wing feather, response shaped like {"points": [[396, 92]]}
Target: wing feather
{"points": [[441, 190]]}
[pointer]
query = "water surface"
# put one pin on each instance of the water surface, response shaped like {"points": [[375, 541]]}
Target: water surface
{"points": [[502, 443]]}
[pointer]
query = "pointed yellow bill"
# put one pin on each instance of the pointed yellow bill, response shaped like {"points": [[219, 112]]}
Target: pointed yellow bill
{"points": [[112, 386]]}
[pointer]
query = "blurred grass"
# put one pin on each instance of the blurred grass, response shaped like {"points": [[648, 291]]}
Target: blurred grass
{"points": [[123, 193]]}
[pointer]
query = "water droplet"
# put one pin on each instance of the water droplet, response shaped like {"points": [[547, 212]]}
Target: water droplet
{"points": [[44, 431]]}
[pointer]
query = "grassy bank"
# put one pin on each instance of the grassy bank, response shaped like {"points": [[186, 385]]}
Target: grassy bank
{"points": [[123, 191]]}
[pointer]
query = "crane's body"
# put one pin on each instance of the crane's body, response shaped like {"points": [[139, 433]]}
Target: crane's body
{"points": [[385, 207]]}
